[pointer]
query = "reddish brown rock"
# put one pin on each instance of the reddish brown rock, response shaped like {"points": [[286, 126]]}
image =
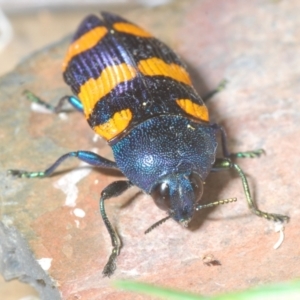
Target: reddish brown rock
{"points": [[255, 45]]}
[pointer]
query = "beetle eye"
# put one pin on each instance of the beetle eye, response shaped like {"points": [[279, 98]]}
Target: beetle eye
{"points": [[161, 196], [197, 185]]}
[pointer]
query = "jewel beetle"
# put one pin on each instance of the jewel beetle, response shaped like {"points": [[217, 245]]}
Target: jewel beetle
{"points": [[137, 94]]}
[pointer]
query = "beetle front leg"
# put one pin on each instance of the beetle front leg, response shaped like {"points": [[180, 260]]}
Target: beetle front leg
{"points": [[113, 190], [227, 164]]}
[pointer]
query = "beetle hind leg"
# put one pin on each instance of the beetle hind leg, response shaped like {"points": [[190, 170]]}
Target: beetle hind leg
{"points": [[221, 86], [74, 101]]}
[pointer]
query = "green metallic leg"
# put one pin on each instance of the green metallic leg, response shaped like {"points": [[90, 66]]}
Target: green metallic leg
{"points": [[226, 153], [87, 156], [113, 190], [227, 164], [246, 154], [74, 101], [221, 86]]}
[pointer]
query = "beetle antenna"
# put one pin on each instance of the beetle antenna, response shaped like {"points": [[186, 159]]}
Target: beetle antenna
{"points": [[198, 207], [157, 224], [212, 204]]}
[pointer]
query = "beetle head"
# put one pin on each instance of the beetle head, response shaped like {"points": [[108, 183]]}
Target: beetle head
{"points": [[178, 194]]}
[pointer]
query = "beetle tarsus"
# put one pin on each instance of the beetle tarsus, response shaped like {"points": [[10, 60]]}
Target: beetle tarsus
{"points": [[110, 267], [113, 190], [248, 154], [25, 174]]}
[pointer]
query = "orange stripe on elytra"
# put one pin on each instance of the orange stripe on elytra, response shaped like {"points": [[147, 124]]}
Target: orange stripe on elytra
{"points": [[198, 111], [94, 90], [85, 42], [155, 66], [131, 29], [115, 125]]}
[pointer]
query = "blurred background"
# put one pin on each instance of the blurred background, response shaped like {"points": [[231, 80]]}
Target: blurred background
{"points": [[29, 25], [254, 44]]}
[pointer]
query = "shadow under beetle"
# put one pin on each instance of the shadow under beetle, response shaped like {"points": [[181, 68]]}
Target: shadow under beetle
{"points": [[137, 94]]}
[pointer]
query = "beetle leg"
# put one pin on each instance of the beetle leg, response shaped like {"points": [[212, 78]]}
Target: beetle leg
{"points": [[86, 156], [227, 154], [221, 86], [227, 164], [74, 101], [113, 190]]}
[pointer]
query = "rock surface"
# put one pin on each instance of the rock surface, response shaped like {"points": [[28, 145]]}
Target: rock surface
{"points": [[51, 231]]}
